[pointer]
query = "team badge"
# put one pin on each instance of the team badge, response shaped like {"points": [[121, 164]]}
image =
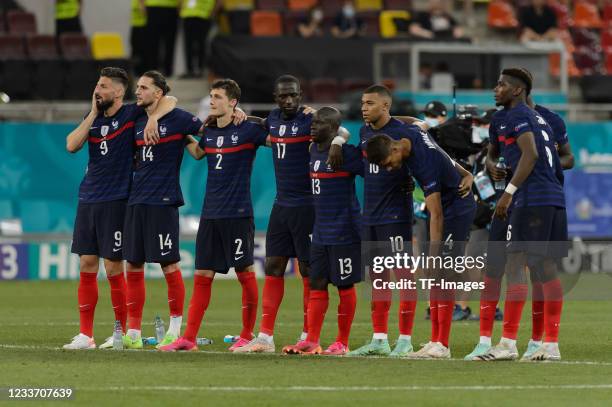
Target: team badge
{"points": [[317, 164], [281, 130], [234, 138], [104, 131], [115, 124], [219, 141], [294, 129], [162, 130]]}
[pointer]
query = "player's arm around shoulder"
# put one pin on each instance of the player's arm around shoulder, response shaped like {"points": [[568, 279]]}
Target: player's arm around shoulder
{"points": [[193, 146], [77, 137], [335, 157]]}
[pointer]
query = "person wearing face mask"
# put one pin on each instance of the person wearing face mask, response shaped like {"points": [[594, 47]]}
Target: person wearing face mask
{"points": [[312, 26], [435, 113], [347, 24]]}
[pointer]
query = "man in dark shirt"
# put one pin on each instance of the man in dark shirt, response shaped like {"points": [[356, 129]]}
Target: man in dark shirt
{"points": [[436, 23], [538, 22]]}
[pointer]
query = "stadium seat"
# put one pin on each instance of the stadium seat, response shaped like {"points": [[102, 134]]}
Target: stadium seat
{"points": [[606, 40], [291, 20], [331, 7], [48, 70], [501, 15], [277, 5], [74, 46], [233, 5], [398, 4], [368, 5], [324, 90], [588, 61], [586, 38], [301, 4], [387, 18], [21, 22], [266, 24], [15, 68], [371, 21], [586, 15], [42, 47], [562, 13], [350, 85], [607, 14], [554, 65], [107, 45]]}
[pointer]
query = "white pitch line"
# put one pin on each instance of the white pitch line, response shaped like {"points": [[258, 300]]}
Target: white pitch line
{"points": [[214, 352], [349, 388]]}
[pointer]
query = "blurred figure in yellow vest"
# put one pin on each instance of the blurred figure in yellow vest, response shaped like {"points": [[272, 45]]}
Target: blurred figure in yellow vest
{"points": [[138, 36], [67, 16], [197, 19], [162, 23]]}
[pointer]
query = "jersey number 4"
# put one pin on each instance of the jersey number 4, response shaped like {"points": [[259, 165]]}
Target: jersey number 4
{"points": [[147, 153]]}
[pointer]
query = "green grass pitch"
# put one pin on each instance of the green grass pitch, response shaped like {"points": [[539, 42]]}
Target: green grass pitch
{"points": [[38, 317]]}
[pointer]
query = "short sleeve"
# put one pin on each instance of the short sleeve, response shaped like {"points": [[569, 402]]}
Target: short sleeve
{"points": [[192, 124], [259, 134], [560, 131], [519, 125], [134, 111], [353, 162]]}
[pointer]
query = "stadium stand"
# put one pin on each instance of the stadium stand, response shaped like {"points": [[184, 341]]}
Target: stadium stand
{"points": [[266, 24], [586, 15], [369, 5], [388, 22], [501, 15], [276, 5], [107, 45], [48, 72], [301, 4], [15, 68], [21, 22]]}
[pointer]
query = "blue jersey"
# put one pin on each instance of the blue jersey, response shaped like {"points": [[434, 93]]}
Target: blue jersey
{"points": [[111, 156], [158, 167], [542, 187], [337, 212], [387, 195], [556, 123], [435, 171], [230, 152], [290, 140]]}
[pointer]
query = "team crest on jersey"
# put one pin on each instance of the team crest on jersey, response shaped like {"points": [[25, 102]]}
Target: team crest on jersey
{"points": [[294, 129], [103, 131], [219, 141], [281, 130], [162, 130], [317, 164], [115, 124], [234, 138], [541, 120]]}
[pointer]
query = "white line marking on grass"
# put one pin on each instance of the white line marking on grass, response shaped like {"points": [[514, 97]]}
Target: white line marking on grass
{"points": [[204, 351], [348, 388]]}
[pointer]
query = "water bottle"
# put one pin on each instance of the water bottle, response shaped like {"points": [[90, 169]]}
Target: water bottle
{"points": [[230, 338], [151, 340], [160, 330], [203, 341], [501, 165], [118, 336]]}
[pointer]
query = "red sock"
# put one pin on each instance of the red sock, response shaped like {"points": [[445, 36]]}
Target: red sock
{"points": [[434, 299], [118, 292], [88, 298], [407, 305], [250, 297], [380, 316], [306, 296], [317, 307], [346, 313], [176, 293], [488, 303], [273, 291], [516, 295], [135, 298], [553, 293], [197, 306], [445, 315], [537, 311]]}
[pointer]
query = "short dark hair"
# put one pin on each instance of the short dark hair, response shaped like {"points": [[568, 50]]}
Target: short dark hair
{"points": [[522, 75], [382, 90], [159, 80], [232, 90], [116, 74], [378, 148], [286, 79]]}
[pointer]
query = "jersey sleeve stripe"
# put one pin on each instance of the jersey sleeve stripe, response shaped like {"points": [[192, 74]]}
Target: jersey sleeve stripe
{"points": [[247, 146], [112, 135], [168, 139]]}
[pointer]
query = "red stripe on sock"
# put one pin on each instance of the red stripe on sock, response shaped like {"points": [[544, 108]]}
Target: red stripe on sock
{"points": [[305, 298], [434, 298], [488, 303], [136, 294], [176, 293], [346, 313], [88, 298], [273, 291], [380, 316], [516, 295], [250, 298], [317, 307], [118, 291], [537, 311], [197, 306], [553, 305], [445, 315]]}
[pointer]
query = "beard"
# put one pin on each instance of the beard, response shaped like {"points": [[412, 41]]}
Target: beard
{"points": [[103, 105]]}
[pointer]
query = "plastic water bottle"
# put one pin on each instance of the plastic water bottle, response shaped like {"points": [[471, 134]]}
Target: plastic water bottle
{"points": [[501, 165], [230, 338], [118, 336], [160, 330], [203, 341]]}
